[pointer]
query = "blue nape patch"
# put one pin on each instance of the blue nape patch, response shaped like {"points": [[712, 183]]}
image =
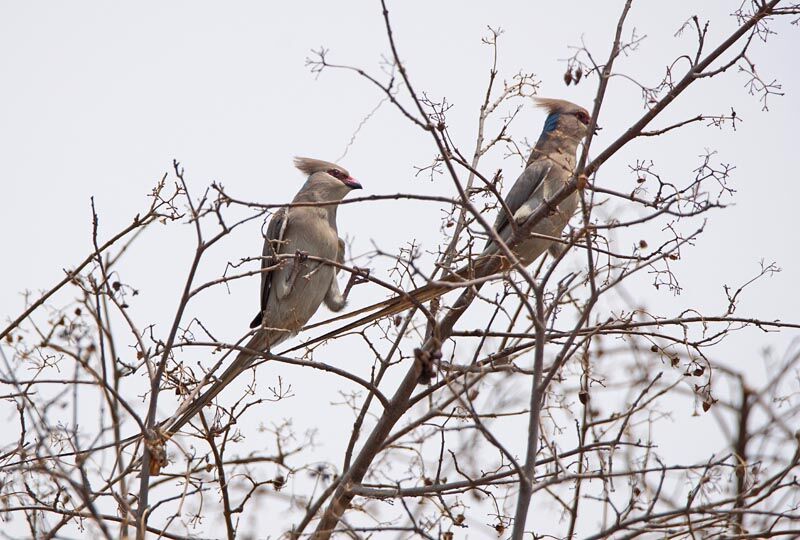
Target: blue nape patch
{"points": [[551, 122]]}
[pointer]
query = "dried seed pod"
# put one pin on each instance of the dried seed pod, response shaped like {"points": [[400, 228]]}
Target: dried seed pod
{"points": [[698, 371]]}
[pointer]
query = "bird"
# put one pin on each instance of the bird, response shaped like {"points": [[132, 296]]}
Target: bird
{"points": [[550, 166], [292, 286]]}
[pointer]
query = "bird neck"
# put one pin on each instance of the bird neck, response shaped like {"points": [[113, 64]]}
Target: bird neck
{"points": [[332, 215], [554, 145], [327, 211]]}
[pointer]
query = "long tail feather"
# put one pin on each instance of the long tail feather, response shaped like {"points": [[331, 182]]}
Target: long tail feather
{"points": [[400, 303], [420, 294], [392, 306], [242, 361], [396, 306], [354, 313]]}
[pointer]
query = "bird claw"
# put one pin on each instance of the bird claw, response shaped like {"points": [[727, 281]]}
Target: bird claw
{"points": [[299, 258], [357, 277]]}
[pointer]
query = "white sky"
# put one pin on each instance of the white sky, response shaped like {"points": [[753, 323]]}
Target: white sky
{"points": [[97, 99]]}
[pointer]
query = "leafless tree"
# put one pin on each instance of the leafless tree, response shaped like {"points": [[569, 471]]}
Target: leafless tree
{"points": [[560, 354]]}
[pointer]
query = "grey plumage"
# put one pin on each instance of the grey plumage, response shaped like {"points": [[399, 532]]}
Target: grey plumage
{"points": [[549, 167], [293, 286]]}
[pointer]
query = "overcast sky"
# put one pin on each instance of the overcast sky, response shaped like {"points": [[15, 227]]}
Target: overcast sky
{"points": [[98, 98]]}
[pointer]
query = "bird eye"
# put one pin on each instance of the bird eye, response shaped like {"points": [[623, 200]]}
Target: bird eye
{"points": [[339, 175], [583, 117]]}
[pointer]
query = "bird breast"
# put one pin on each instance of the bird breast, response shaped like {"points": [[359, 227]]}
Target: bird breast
{"points": [[308, 280]]}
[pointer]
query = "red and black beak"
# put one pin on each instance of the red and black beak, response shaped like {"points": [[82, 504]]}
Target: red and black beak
{"points": [[352, 183]]}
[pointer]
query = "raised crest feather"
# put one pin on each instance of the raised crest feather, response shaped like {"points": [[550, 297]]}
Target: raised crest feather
{"points": [[311, 166], [558, 106]]}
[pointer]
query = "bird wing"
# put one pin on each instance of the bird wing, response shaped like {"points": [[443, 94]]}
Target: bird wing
{"points": [[276, 231], [523, 190]]}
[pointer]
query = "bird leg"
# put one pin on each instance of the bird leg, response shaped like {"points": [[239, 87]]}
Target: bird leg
{"points": [[299, 258], [357, 276]]}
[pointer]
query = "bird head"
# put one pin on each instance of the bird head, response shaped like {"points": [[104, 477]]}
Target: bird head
{"points": [[327, 179], [564, 118]]}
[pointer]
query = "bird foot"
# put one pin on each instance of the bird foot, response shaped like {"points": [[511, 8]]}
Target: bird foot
{"points": [[299, 258], [357, 277]]}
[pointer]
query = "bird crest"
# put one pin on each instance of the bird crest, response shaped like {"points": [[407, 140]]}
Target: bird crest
{"points": [[558, 106], [311, 166]]}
